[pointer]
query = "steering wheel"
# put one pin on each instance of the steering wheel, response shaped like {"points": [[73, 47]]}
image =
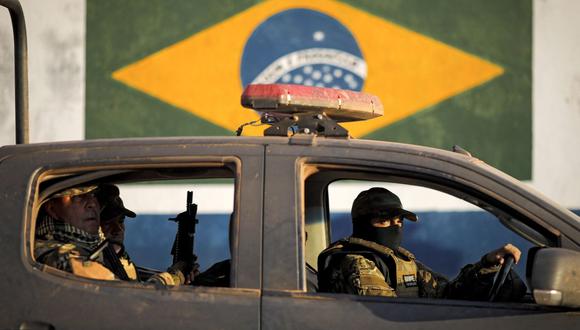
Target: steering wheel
{"points": [[500, 276]]}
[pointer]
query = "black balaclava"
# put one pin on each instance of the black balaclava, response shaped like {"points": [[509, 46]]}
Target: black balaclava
{"points": [[387, 236], [379, 203]]}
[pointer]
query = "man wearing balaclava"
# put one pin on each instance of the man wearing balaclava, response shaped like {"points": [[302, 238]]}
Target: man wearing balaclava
{"points": [[372, 262]]}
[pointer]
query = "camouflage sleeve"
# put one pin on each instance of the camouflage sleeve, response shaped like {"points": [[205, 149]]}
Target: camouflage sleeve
{"points": [[130, 268], [69, 258], [56, 255], [358, 275], [473, 282], [167, 279], [172, 277], [431, 284]]}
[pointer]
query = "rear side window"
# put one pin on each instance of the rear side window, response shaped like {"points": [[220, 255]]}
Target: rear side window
{"points": [[140, 212], [151, 234]]}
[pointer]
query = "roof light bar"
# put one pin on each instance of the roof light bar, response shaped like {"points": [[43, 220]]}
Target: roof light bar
{"points": [[277, 100]]}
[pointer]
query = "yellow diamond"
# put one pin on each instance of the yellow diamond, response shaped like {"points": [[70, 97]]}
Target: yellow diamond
{"points": [[407, 70]]}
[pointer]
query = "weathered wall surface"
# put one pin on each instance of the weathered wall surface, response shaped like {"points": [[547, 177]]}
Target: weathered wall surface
{"points": [[57, 30], [56, 44], [556, 100]]}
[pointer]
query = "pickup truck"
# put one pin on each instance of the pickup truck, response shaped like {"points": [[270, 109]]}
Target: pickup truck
{"points": [[281, 220]]}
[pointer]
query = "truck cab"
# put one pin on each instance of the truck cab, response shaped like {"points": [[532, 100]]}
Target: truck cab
{"points": [[284, 189]]}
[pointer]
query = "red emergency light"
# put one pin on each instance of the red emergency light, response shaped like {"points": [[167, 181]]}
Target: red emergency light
{"points": [[336, 104]]}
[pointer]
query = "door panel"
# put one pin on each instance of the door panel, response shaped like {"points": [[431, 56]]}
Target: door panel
{"points": [[285, 302], [328, 311], [68, 302]]}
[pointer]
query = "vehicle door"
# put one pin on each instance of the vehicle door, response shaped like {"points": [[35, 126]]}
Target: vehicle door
{"points": [[290, 225], [36, 296]]}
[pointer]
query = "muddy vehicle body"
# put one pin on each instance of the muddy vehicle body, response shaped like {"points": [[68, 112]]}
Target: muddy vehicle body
{"points": [[281, 221], [271, 255]]}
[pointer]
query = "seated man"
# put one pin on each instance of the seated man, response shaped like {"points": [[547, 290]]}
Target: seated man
{"points": [[116, 257], [68, 238], [113, 227], [67, 234], [371, 262]]}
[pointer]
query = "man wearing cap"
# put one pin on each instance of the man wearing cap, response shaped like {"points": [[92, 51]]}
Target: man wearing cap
{"points": [[113, 216], [372, 262], [68, 237], [117, 259], [67, 234]]}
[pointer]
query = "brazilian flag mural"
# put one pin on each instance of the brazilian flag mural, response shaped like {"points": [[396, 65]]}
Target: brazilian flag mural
{"points": [[448, 72]]}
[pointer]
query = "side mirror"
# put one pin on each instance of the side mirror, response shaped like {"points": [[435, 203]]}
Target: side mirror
{"points": [[554, 276]]}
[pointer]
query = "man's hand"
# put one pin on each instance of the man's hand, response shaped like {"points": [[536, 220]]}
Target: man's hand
{"points": [[496, 257], [181, 267], [191, 276]]}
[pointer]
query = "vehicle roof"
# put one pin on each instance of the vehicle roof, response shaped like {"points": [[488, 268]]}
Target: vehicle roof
{"points": [[298, 140], [301, 139]]}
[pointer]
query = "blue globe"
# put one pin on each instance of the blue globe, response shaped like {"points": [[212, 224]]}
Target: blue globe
{"points": [[304, 47]]}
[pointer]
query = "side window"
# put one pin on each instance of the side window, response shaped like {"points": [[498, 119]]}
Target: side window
{"points": [[117, 225], [450, 232], [151, 234], [411, 238]]}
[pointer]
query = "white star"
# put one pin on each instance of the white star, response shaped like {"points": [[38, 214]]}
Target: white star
{"points": [[327, 78], [318, 36], [298, 79]]}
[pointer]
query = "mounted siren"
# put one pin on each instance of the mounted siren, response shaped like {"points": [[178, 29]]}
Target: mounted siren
{"points": [[291, 109]]}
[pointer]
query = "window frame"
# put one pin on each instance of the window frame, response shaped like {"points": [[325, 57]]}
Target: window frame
{"points": [[79, 175], [331, 173]]}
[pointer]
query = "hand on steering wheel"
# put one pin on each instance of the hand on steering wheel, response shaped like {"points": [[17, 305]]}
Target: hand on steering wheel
{"points": [[505, 256], [500, 276]]}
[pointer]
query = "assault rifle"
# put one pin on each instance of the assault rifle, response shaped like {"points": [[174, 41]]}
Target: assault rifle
{"points": [[182, 249]]}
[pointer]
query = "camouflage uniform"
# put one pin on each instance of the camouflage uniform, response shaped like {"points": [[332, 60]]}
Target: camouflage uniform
{"points": [[113, 214], [68, 248], [361, 267], [119, 263], [65, 247], [129, 266], [371, 262], [113, 208]]}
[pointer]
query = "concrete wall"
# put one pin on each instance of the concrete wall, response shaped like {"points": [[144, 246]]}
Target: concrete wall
{"points": [[556, 100], [56, 34], [56, 31]]}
